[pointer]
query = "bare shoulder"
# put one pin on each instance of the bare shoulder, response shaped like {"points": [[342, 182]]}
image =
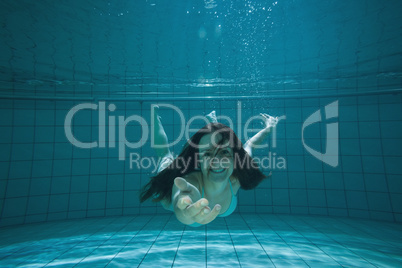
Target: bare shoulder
{"points": [[235, 184], [194, 178]]}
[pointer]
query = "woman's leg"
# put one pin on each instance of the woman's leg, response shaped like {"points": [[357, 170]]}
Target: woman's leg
{"points": [[160, 138], [212, 117], [162, 149]]}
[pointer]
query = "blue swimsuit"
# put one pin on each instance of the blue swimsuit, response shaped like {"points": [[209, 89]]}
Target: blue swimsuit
{"points": [[233, 202]]}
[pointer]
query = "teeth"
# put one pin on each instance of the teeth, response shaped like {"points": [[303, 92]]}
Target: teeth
{"points": [[218, 170]]}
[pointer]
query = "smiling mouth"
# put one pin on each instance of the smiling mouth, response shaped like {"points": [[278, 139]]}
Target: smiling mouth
{"points": [[218, 170]]}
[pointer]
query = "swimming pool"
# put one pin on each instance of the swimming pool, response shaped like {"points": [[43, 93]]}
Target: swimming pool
{"points": [[78, 81]]}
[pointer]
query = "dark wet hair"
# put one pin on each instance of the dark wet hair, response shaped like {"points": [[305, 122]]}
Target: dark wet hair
{"points": [[246, 171]]}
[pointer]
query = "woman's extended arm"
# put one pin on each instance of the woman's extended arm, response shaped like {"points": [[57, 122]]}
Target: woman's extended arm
{"points": [[257, 139], [188, 205]]}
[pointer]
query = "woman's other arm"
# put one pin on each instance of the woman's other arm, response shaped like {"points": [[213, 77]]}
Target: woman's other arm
{"points": [[270, 122]]}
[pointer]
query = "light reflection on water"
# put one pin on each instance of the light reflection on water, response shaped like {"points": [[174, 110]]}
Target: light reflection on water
{"points": [[252, 241]]}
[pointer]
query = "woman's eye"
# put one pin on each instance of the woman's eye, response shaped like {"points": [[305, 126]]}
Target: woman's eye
{"points": [[207, 155], [226, 153]]}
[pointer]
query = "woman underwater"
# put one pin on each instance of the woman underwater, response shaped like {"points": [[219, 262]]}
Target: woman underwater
{"points": [[217, 166]]}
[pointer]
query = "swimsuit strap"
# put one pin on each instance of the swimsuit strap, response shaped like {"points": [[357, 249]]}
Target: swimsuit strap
{"points": [[231, 189]]}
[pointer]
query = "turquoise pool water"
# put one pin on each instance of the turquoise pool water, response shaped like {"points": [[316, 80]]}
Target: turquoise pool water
{"points": [[78, 80]]}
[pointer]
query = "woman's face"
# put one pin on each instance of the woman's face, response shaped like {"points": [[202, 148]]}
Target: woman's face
{"points": [[216, 159]]}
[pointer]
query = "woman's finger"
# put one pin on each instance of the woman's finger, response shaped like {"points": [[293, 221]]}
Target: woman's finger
{"points": [[182, 184], [197, 207], [211, 215], [184, 202]]}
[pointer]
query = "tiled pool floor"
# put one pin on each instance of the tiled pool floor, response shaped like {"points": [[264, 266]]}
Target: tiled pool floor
{"points": [[240, 240]]}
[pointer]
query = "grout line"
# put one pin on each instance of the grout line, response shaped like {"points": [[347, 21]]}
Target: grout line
{"points": [[198, 98], [231, 239], [156, 238], [178, 246], [284, 241], [129, 241], [309, 240], [106, 240], [82, 240], [370, 234], [347, 247], [251, 230]]}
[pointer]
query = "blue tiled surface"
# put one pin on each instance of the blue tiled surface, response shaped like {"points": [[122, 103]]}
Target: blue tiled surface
{"points": [[241, 240]]}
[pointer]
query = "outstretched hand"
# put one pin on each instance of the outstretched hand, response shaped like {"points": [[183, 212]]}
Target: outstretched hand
{"points": [[198, 211], [269, 121]]}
